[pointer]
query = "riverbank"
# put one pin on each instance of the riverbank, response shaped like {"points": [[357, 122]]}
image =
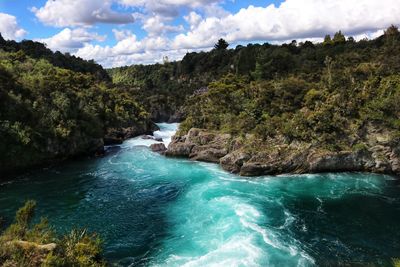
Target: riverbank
{"points": [[78, 149], [154, 210], [248, 156]]}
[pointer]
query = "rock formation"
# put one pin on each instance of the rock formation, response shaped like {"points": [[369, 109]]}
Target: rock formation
{"points": [[377, 151]]}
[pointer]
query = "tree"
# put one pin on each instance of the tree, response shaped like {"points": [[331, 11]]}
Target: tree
{"points": [[339, 38], [327, 40], [392, 31], [2, 41], [392, 36], [221, 45]]}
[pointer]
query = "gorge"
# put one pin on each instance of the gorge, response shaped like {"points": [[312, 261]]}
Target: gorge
{"points": [[306, 135], [157, 211]]}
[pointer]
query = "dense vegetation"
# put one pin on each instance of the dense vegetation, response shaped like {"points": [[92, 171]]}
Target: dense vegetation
{"points": [[49, 112], [320, 88], [26, 244], [66, 61], [55, 106], [164, 88], [324, 92]]}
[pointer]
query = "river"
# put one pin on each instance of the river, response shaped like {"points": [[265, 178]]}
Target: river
{"points": [[156, 211]]}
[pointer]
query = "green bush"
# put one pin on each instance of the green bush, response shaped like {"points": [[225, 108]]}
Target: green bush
{"points": [[24, 244]]}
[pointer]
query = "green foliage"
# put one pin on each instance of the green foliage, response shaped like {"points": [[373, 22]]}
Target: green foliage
{"points": [[81, 248], [49, 113], [66, 61], [321, 94], [327, 40], [339, 38], [24, 245], [396, 262], [221, 44]]}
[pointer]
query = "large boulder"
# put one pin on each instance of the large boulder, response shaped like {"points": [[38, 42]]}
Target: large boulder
{"points": [[179, 147], [200, 145], [234, 161], [116, 136], [346, 161], [248, 156], [159, 148]]}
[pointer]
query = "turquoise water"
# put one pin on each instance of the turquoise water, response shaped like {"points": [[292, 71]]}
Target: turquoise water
{"points": [[157, 211]]}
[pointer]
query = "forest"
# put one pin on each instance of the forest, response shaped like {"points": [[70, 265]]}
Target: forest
{"points": [[56, 106], [307, 92], [302, 90]]}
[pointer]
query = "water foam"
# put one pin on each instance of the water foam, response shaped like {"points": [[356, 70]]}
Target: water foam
{"points": [[167, 130]]}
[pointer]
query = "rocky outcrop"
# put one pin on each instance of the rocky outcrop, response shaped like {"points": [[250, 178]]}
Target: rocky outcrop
{"points": [[377, 151], [200, 145], [118, 135], [77, 145], [150, 137], [165, 114], [159, 148]]}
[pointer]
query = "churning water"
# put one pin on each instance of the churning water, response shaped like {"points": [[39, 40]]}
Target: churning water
{"points": [[156, 211]]}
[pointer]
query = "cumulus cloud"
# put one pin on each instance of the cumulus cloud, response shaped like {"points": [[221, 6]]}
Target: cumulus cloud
{"points": [[66, 13], [70, 40], [129, 50], [9, 27], [293, 19], [168, 7], [193, 19], [206, 22], [155, 26]]}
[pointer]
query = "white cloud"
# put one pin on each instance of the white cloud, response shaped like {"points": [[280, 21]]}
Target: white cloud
{"points": [[70, 40], [9, 27], [206, 23], [193, 19], [369, 35], [67, 13], [168, 7], [129, 50], [121, 34], [293, 19], [155, 26]]}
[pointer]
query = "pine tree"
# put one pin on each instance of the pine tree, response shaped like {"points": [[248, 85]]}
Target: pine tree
{"points": [[221, 45]]}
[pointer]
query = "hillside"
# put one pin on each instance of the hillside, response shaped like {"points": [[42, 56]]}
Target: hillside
{"points": [[296, 101], [300, 108], [55, 106]]}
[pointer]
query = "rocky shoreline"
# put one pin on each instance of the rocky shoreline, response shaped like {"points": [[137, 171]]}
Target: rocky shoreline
{"points": [[376, 152], [115, 136], [80, 146]]}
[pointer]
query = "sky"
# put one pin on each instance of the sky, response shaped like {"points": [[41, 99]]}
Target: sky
{"points": [[125, 32]]}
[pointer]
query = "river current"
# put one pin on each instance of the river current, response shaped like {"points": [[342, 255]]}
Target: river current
{"points": [[156, 211]]}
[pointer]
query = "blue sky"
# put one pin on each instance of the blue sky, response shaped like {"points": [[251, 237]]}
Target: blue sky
{"points": [[37, 30], [124, 32]]}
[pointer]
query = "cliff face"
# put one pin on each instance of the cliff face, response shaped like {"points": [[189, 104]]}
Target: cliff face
{"points": [[54, 107], [379, 152], [118, 135], [80, 144]]}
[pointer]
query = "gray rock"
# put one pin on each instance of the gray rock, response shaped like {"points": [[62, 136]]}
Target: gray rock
{"points": [[179, 148], [336, 162], [277, 156], [207, 153], [159, 148], [200, 145], [234, 161]]}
